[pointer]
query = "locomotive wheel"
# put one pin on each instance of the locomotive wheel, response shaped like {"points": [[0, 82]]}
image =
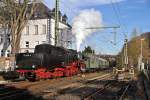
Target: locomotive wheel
{"points": [[30, 76]]}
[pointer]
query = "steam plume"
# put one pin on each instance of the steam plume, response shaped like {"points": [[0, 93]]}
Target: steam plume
{"points": [[86, 19]]}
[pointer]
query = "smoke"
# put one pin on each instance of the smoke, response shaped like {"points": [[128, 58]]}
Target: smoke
{"points": [[86, 19]]}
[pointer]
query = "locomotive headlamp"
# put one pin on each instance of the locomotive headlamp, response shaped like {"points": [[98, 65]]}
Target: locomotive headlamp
{"points": [[16, 66], [33, 66]]}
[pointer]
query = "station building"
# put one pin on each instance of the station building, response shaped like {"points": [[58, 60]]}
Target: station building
{"points": [[39, 29]]}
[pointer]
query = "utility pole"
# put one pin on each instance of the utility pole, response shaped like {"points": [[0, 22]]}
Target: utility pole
{"points": [[56, 21], [142, 47], [141, 55], [126, 54]]}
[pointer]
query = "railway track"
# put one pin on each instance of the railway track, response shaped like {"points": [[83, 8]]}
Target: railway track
{"points": [[125, 92], [80, 89], [97, 89], [105, 93], [59, 88], [15, 91]]}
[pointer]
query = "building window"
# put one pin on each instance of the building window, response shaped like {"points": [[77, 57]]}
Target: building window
{"points": [[36, 29], [43, 42], [8, 53], [27, 44], [2, 53], [1, 39], [43, 29], [27, 30]]}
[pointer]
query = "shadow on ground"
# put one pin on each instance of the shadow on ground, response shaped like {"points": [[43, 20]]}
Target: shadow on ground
{"points": [[90, 87], [12, 93]]}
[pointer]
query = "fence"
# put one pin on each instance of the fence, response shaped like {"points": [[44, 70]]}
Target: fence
{"points": [[7, 63]]}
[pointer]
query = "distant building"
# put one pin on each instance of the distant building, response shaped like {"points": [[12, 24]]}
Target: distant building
{"points": [[39, 29], [108, 57]]}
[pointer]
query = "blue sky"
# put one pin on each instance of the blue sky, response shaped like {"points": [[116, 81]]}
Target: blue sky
{"points": [[128, 14]]}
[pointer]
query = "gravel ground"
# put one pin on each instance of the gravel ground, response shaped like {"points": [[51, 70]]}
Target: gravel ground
{"points": [[47, 89], [39, 88], [81, 89], [50, 88], [60, 82]]}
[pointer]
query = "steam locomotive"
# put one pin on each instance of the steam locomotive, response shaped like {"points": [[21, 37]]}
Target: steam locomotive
{"points": [[48, 61]]}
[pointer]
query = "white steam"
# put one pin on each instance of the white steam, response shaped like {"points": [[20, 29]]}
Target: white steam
{"points": [[86, 19]]}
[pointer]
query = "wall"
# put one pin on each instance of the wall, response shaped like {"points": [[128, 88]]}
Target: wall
{"points": [[32, 37]]}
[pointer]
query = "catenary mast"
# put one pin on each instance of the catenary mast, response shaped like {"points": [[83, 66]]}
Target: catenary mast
{"points": [[56, 21]]}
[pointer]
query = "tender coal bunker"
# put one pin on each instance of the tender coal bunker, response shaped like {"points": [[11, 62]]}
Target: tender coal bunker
{"points": [[43, 49]]}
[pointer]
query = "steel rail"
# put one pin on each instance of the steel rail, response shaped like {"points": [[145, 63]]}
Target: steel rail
{"points": [[100, 90], [124, 92]]}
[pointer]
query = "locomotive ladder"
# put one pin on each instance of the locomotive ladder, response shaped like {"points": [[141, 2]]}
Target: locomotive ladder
{"points": [[49, 30]]}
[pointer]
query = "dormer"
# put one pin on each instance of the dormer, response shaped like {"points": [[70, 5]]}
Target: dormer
{"points": [[64, 18]]}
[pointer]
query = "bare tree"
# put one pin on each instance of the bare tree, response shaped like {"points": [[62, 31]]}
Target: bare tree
{"points": [[14, 15]]}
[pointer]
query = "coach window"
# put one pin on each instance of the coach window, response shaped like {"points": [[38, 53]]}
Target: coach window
{"points": [[27, 44]]}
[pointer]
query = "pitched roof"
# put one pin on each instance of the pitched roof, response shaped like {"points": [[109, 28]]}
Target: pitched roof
{"points": [[43, 12]]}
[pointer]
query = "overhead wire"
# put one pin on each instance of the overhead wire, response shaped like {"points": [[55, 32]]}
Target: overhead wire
{"points": [[114, 8], [117, 13], [108, 41], [68, 6]]}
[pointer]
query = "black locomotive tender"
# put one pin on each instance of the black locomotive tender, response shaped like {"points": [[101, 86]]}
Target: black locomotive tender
{"points": [[46, 55], [48, 61]]}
